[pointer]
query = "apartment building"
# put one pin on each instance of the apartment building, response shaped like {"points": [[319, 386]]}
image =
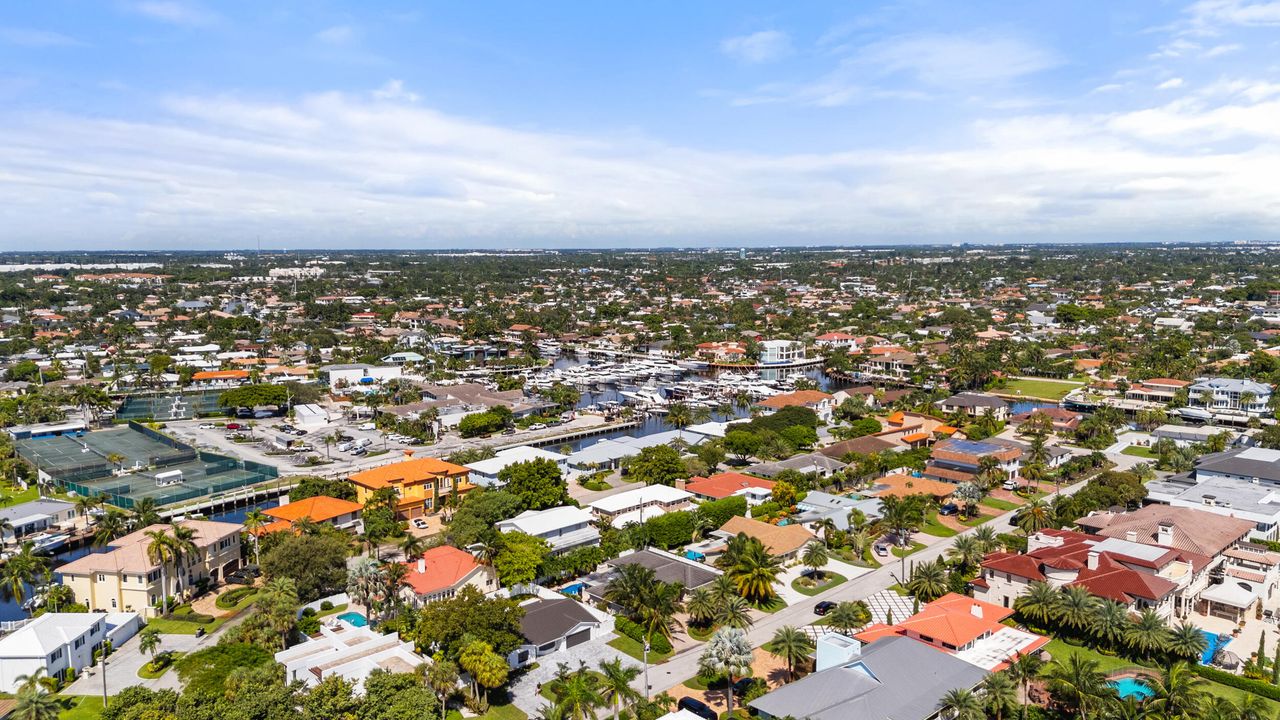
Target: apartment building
{"points": [[125, 578]]}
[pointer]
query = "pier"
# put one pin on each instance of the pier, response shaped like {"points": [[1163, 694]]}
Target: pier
{"points": [[572, 436], [240, 497]]}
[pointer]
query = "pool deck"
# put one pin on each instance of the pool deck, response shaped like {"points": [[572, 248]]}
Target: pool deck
{"points": [[1246, 643]]}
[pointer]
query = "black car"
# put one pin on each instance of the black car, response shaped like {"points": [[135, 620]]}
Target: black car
{"points": [[697, 707], [824, 607], [949, 509]]}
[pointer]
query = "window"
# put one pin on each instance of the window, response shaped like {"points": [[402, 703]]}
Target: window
{"points": [[113, 603], [102, 578], [79, 643]]}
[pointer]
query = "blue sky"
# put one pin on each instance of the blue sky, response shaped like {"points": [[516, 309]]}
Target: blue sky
{"points": [[180, 124]]}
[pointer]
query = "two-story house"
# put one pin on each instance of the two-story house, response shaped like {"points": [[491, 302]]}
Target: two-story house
{"points": [[960, 461], [60, 644], [420, 484], [975, 405], [564, 528]]}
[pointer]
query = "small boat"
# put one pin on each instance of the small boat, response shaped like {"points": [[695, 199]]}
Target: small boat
{"points": [[48, 542], [694, 364]]}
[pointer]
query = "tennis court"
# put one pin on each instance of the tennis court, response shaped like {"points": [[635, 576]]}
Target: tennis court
{"points": [[174, 406]]}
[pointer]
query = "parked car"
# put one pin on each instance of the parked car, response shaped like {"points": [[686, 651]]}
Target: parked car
{"points": [[364, 442], [207, 426], [359, 452], [509, 431], [233, 426], [1010, 484], [368, 426], [538, 426], [420, 523], [949, 509], [299, 432], [697, 707], [824, 607], [882, 550], [344, 447]]}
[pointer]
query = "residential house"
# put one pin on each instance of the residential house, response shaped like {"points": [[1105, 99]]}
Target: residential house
{"points": [[549, 626], [485, 472], [125, 578], [321, 509], [722, 485], [778, 352], [807, 463], [960, 461], [894, 677], [357, 374], [348, 652], [837, 340], [970, 629], [36, 516], [1061, 421], [818, 506], [816, 400], [1160, 391], [421, 485], [975, 405], [666, 567], [781, 541], [443, 571], [1230, 395], [636, 506], [564, 528], [60, 644], [1241, 483]]}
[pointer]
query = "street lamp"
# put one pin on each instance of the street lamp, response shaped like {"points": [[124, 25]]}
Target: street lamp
{"points": [[646, 668], [106, 650]]}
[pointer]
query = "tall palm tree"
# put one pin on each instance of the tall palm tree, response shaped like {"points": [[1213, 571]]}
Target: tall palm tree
{"points": [[254, 520], [962, 704], [365, 582], [1111, 622], [929, 581], [1148, 634], [1039, 604], [728, 655], [442, 677], [160, 552], [985, 536], [815, 557], [412, 546], [577, 696], [828, 528], [1034, 517], [1076, 608], [679, 415], [791, 645], [109, 527], [848, 616], [999, 694], [20, 571], [755, 572], [1177, 692], [661, 604], [1024, 669], [145, 512], [966, 551], [185, 552], [734, 612], [36, 704], [1077, 683], [615, 684], [701, 607], [1186, 642]]}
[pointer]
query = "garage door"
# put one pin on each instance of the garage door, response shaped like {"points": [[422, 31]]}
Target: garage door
{"points": [[577, 638]]}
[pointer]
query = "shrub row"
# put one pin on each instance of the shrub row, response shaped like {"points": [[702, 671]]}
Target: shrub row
{"points": [[657, 643], [228, 600], [1257, 687]]}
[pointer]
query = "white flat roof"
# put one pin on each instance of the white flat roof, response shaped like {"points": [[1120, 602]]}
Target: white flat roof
{"points": [[640, 496], [536, 522]]}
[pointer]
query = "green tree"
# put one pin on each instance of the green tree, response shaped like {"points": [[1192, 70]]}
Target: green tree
{"points": [[519, 558], [962, 704], [791, 645], [848, 616], [317, 564], [728, 655], [657, 465], [487, 668], [536, 482], [615, 684]]}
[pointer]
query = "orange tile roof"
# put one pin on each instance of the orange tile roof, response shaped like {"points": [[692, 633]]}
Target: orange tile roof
{"points": [[916, 437], [409, 471], [899, 485], [799, 397], [896, 418], [725, 484], [777, 539], [443, 567], [319, 509], [220, 375]]}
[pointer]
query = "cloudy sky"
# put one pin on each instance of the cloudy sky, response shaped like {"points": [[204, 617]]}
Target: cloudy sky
{"points": [[185, 124]]}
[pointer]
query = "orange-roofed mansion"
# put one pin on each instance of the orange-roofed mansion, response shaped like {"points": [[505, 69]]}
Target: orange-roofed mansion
{"points": [[422, 485]]}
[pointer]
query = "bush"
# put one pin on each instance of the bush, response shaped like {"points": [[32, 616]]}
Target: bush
{"points": [[1257, 687], [765, 509], [228, 600], [657, 643], [186, 614], [326, 606]]}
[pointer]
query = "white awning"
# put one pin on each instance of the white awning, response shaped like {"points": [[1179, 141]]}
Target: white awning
{"points": [[1236, 593]]}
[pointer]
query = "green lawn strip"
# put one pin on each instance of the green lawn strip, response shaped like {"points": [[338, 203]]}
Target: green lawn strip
{"points": [[699, 634], [27, 495], [976, 520], [176, 626], [548, 688], [332, 611], [496, 712], [626, 645], [998, 504], [82, 707], [829, 580], [147, 673], [932, 527], [1139, 451], [1048, 389], [913, 547], [772, 606], [1060, 650]]}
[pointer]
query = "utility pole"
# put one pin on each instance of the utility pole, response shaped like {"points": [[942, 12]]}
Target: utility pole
{"points": [[106, 650], [646, 668]]}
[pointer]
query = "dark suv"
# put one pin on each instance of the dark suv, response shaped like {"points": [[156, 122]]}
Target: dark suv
{"points": [[824, 607], [697, 707]]}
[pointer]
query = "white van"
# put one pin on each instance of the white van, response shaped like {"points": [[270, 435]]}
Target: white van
{"points": [[343, 447], [368, 426], [364, 442]]}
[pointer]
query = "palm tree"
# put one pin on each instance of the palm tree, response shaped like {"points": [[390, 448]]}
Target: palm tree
{"points": [[160, 552], [815, 557], [442, 676], [929, 581], [701, 607], [985, 536], [1034, 517], [365, 582], [254, 520], [279, 599], [1023, 670], [149, 641], [412, 546], [828, 528], [615, 684], [849, 616], [1039, 604], [734, 612], [961, 704], [1254, 707], [728, 654], [145, 512], [1111, 622], [1077, 683], [109, 527], [21, 571], [755, 571], [999, 694], [1177, 692], [628, 587], [185, 552], [1148, 634], [37, 679], [722, 588], [966, 551], [577, 696], [790, 645], [679, 415], [36, 704], [1186, 642], [661, 604], [1076, 608]]}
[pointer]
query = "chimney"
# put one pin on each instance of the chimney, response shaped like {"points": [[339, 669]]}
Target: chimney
{"points": [[680, 484], [422, 565], [1131, 535], [976, 610], [1164, 534], [1093, 559]]}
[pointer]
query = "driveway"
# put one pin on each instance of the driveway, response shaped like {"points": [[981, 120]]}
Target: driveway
{"points": [[524, 691], [793, 597], [124, 663]]}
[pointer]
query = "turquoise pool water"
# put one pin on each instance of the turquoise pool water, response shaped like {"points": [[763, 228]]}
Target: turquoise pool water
{"points": [[573, 589], [1211, 645], [1131, 687], [354, 619]]}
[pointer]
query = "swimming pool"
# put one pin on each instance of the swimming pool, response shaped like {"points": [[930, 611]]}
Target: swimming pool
{"points": [[574, 589], [1212, 644], [1131, 687], [354, 619]]}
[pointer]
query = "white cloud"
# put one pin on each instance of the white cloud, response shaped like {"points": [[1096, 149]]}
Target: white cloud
{"points": [[1170, 84], [337, 35], [175, 12], [394, 91], [759, 47], [949, 60], [377, 170], [1208, 17], [27, 37]]}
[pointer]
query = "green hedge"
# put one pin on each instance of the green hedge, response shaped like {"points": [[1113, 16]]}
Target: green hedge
{"points": [[228, 600], [186, 614], [657, 643], [1256, 687]]}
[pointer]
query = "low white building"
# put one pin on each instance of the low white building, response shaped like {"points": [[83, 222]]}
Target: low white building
{"points": [[564, 528], [310, 415], [348, 652], [61, 644], [636, 506], [485, 472], [37, 516], [356, 374]]}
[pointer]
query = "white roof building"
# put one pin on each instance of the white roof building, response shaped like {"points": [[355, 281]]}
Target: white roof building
{"points": [[485, 472], [564, 528], [654, 500], [348, 652], [60, 643]]}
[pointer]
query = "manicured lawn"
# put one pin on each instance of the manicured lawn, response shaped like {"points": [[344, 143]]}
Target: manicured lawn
{"points": [[7, 499], [829, 580], [976, 520], [548, 691], [496, 712], [913, 547], [332, 611], [998, 504], [146, 673], [1049, 389], [1060, 650], [84, 707], [932, 527], [699, 634], [772, 606], [1139, 451], [176, 626], [626, 645]]}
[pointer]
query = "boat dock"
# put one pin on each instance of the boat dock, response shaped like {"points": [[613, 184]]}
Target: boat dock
{"points": [[572, 436], [240, 497]]}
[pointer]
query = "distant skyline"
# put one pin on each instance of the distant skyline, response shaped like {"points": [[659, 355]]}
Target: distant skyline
{"points": [[181, 125]]}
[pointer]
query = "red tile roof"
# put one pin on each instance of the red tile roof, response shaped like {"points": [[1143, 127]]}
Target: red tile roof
{"points": [[443, 567], [725, 484]]}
